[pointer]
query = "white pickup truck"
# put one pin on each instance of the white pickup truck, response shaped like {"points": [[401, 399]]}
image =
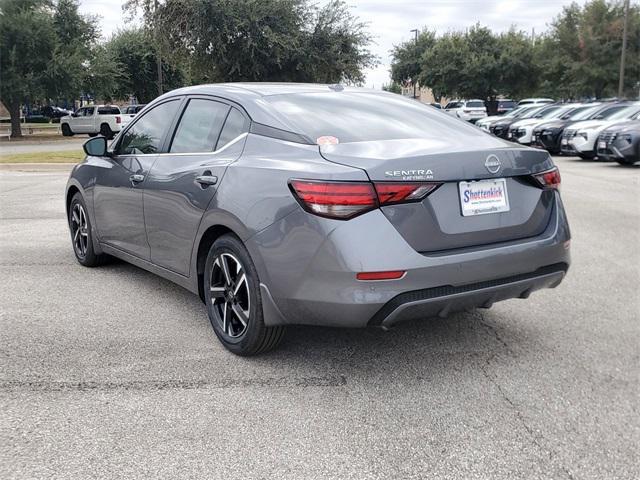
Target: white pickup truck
{"points": [[105, 120]]}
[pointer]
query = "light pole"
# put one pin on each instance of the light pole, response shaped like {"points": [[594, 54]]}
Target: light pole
{"points": [[624, 49], [415, 31]]}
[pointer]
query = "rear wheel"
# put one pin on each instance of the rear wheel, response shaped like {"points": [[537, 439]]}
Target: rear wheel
{"points": [[587, 155], [81, 238], [234, 302], [93, 134], [66, 130], [105, 131]]}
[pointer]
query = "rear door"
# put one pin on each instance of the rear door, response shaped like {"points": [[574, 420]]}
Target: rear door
{"points": [[209, 136], [120, 181], [82, 123]]}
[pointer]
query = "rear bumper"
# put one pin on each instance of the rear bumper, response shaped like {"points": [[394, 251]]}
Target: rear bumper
{"points": [[308, 268], [441, 301]]}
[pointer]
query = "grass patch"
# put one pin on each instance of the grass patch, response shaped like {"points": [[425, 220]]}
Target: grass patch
{"points": [[71, 156]]}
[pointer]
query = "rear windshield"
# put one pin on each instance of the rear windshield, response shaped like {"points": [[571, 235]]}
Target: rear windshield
{"points": [[360, 117], [475, 104], [108, 111], [506, 104]]}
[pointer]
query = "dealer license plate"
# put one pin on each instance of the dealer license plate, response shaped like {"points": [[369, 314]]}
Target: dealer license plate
{"points": [[483, 196]]}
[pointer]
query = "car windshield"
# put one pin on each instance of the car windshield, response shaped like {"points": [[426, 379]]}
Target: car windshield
{"points": [[567, 114], [506, 104], [515, 112], [360, 117], [476, 104], [584, 113], [548, 112], [623, 114]]}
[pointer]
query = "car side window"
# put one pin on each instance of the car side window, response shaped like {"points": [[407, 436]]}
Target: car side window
{"points": [[235, 126], [88, 112], [199, 126], [145, 136]]}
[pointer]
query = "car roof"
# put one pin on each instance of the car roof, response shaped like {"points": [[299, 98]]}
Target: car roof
{"points": [[251, 97]]}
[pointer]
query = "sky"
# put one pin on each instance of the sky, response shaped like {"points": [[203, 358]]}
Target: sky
{"points": [[390, 21]]}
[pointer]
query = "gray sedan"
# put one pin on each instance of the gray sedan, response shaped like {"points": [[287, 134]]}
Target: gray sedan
{"points": [[288, 204]]}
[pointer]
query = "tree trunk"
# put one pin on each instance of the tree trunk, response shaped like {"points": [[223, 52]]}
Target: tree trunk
{"points": [[14, 113]]}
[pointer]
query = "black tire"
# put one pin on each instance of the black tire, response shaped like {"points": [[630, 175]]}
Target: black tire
{"points": [[92, 135], [105, 131], [66, 130], [248, 337], [587, 155], [81, 236]]}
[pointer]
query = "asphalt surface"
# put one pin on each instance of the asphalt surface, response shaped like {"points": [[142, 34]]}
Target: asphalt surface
{"points": [[115, 373]]}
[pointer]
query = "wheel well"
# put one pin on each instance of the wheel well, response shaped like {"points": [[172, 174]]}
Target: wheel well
{"points": [[210, 236], [72, 191]]}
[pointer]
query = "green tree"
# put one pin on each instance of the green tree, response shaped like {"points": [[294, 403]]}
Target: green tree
{"points": [[76, 37], [392, 87], [444, 66], [581, 54], [406, 58], [268, 40], [133, 52], [27, 43]]}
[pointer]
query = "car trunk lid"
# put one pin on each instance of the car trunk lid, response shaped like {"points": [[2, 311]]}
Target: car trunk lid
{"points": [[439, 222]]}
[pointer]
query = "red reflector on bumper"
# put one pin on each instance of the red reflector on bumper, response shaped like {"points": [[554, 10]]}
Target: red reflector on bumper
{"points": [[391, 275]]}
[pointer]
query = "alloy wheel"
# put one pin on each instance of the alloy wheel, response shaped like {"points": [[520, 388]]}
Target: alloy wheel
{"points": [[80, 230], [230, 297]]}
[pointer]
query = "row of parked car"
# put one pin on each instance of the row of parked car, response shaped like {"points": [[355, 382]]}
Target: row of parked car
{"points": [[607, 130]]}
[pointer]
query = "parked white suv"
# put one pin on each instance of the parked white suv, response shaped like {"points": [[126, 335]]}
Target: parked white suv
{"points": [[105, 120], [581, 137], [469, 110], [522, 130]]}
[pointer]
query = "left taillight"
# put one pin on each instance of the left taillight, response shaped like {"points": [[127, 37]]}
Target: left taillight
{"points": [[345, 200], [548, 179], [342, 200]]}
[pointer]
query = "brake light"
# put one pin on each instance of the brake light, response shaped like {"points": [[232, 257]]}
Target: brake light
{"points": [[345, 200], [341, 200], [549, 179], [118, 120], [397, 192]]}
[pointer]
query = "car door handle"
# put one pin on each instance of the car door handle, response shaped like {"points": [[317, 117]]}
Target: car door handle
{"points": [[206, 180], [136, 178]]}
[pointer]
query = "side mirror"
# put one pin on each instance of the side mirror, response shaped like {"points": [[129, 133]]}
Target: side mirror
{"points": [[96, 147]]}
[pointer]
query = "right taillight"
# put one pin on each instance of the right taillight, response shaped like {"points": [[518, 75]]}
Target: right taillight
{"points": [[400, 192], [548, 179], [345, 200]]}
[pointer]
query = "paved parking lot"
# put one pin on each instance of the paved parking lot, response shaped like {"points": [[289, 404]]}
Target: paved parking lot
{"points": [[113, 372]]}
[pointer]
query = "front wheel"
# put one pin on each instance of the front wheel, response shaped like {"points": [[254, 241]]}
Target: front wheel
{"points": [[66, 130], [81, 238], [234, 302]]}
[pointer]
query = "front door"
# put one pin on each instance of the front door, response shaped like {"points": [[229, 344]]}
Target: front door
{"points": [[183, 181], [118, 191]]}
